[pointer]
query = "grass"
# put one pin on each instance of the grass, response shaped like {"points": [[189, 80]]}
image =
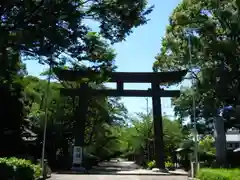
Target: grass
{"points": [[218, 174]]}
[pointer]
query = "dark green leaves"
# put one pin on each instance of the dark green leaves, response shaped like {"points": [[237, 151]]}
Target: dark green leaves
{"points": [[118, 17], [45, 28], [214, 50]]}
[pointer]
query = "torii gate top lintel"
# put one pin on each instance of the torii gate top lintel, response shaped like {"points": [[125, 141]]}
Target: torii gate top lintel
{"points": [[126, 77]]}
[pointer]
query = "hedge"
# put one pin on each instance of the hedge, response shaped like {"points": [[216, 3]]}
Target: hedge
{"points": [[218, 174], [18, 169]]}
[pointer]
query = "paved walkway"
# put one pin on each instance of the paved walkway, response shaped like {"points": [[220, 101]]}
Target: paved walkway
{"points": [[128, 168], [114, 177], [121, 170]]}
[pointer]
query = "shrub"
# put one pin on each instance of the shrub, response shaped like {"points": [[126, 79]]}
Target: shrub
{"points": [[19, 169], [6, 170], [169, 165], [151, 164], [37, 171], [218, 174]]}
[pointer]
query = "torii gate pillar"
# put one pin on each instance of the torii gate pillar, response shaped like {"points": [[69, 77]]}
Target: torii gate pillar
{"points": [[158, 127]]}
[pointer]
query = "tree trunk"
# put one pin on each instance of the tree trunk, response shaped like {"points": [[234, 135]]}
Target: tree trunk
{"points": [[220, 142]]}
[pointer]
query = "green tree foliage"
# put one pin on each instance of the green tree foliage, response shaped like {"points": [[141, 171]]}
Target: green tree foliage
{"points": [[104, 118], [215, 54], [206, 150], [206, 145], [56, 30], [44, 28], [140, 137]]}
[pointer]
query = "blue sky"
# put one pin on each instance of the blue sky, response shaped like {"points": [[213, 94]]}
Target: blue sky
{"points": [[137, 54]]}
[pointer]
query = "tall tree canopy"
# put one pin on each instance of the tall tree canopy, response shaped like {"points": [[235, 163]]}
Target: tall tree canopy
{"points": [[214, 35], [46, 28], [58, 31]]}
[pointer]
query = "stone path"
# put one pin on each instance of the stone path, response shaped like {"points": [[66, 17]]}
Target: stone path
{"points": [[120, 170], [115, 177]]}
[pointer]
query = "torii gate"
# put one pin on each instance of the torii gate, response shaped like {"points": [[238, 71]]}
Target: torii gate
{"points": [[155, 78]]}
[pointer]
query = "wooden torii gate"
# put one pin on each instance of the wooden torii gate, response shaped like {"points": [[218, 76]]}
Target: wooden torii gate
{"points": [[155, 78]]}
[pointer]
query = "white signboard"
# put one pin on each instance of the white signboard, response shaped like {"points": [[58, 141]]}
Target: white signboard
{"points": [[77, 155]]}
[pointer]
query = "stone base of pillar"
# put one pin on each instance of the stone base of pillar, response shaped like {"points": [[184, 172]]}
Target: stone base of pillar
{"points": [[78, 168], [160, 170]]}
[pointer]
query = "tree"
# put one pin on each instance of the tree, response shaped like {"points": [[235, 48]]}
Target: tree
{"points": [[104, 118], [51, 30], [183, 109], [215, 53], [57, 26], [140, 137], [13, 112], [206, 145]]}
